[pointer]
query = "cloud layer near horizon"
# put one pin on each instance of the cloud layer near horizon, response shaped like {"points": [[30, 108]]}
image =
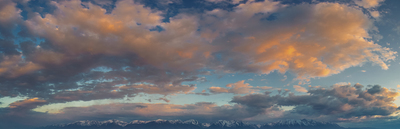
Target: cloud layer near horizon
{"points": [[81, 51], [340, 103]]}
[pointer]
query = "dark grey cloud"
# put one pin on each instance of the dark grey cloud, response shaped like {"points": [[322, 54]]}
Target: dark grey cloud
{"points": [[8, 47], [375, 89], [336, 103], [258, 100]]}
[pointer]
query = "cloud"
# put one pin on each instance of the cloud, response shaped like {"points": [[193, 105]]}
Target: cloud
{"points": [[342, 103], [375, 14], [215, 1], [371, 6], [339, 103], [23, 106], [368, 3], [238, 88], [164, 99], [61, 70], [9, 17], [202, 111], [284, 78], [114, 92], [24, 103], [169, 89], [13, 66], [257, 100], [300, 89], [297, 38], [263, 87], [218, 90], [308, 40]]}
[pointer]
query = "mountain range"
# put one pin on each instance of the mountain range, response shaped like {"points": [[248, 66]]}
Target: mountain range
{"points": [[193, 124]]}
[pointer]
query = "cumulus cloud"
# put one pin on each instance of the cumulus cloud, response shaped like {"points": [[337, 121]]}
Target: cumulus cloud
{"points": [[59, 68], [297, 38], [117, 37]]}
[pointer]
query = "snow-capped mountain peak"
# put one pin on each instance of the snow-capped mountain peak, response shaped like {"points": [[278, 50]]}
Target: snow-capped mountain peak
{"points": [[191, 121], [139, 122], [229, 123], [205, 124], [114, 121], [303, 122], [85, 123]]}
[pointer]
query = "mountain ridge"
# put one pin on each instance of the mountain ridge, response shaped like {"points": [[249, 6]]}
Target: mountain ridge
{"points": [[194, 124]]}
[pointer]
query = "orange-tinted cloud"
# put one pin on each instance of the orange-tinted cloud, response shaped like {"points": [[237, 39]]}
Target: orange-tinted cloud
{"points": [[9, 17], [315, 40], [14, 66], [238, 88], [23, 106], [300, 89], [25, 102], [332, 40], [368, 3]]}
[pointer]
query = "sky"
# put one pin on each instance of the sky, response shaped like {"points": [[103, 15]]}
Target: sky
{"points": [[250, 60]]}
